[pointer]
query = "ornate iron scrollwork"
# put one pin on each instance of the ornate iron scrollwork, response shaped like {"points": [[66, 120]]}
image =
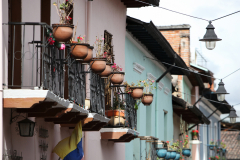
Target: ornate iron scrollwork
{"points": [[131, 112], [97, 88]]}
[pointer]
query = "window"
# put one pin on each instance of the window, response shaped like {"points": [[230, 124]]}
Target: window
{"points": [[108, 41]]}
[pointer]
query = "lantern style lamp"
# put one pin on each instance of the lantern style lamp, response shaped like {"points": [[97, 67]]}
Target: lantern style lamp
{"points": [[221, 91], [232, 115], [210, 37], [26, 128]]}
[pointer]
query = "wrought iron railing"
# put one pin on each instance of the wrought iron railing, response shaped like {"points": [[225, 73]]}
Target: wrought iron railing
{"points": [[131, 112], [36, 63], [97, 95]]}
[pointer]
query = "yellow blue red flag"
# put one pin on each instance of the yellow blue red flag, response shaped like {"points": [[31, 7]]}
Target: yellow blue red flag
{"points": [[71, 148]]}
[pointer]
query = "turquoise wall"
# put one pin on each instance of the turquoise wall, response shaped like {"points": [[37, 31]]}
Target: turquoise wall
{"points": [[186, 91], [146, 123]]}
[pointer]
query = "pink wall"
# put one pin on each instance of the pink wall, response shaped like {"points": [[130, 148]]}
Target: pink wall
{"points": [[102, 15]]}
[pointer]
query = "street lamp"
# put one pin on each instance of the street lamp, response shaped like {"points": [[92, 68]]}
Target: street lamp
{"points": [[232, 115], [26, 128], [221, 91], [210, 37]]}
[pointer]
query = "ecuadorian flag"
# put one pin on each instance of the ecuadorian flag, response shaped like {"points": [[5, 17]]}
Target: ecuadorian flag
{"points": [[71, 148]]}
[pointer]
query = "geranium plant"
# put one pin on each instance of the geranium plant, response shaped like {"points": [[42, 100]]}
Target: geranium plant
{"points": [[81, 39], [148, 85], [184, 133], [195, 134], [116, 68], [64, 9], [223, 145]]}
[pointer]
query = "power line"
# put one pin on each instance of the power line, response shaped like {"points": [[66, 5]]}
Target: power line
{"points": [[171, 10], [232, 73], [186, 14], [183, 68]]}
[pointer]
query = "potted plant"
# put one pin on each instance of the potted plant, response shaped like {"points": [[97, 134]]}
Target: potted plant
{"points": [[117, 112], [212, 145], [223, 146], [147, 94], [63, 31], [98, 64], [79, 49], [108, 69], [117, 76], [195, 134], [185, 146], [161, 149], [136, 90]]}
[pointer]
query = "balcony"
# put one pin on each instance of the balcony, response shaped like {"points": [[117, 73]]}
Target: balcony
{"points": [[43, 81], [123, 120]]}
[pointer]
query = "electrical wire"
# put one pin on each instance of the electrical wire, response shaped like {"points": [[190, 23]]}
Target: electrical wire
{"points": [[205, 98], [184, 13], [171, 10], [231, 73], [183, 68]]}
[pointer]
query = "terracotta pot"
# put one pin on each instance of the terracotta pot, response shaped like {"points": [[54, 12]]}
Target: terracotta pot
{"points": [[62, 32], [116, 121], [79, 50], [147, 99], [107, 71], [117, 112], [117, 78], [89, 56], [137, 92], [116, 117], [98, 65]]}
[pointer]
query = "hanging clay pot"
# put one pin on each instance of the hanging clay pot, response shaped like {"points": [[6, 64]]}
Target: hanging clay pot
{"points": [[107, 71], [137, 92], [62, 32], [98, 65], [117, 78], [79, 50], [147, 99], [89, 56]]}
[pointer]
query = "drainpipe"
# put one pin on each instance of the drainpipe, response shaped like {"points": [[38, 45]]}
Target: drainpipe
{"points": [[156, 108], [1, 88]]}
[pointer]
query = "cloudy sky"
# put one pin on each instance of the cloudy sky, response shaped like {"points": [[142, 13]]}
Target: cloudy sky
{"points": [[225, 58]]}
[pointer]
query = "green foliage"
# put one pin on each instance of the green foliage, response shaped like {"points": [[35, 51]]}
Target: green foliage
{"points": [[118, 103]]}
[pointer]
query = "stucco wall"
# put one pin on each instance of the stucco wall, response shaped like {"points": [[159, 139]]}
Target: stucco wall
{"points": [[147, 125], [210, 129], [102, 15]]}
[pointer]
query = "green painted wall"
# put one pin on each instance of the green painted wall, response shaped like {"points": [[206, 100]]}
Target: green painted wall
{"points": [[186, 91], [147, 125]]}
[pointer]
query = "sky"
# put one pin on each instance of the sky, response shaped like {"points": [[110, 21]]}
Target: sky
{"points": [[225, 58]]}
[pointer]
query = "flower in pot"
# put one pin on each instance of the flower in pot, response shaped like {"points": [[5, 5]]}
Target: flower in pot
{"points": [[212, 145], [108, 69], [117, 112], [98, 64], [79, 49], [175, 147], [63, 31], [223, 145], [147, 95], [195, 134], [136, 90], [117, 76], [185, 141]]}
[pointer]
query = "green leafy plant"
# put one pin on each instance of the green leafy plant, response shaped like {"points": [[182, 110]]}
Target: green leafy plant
{"points": [[148, 85], [118, 103], [223, 145], [64, 9], [185, 140], [212, 142]]}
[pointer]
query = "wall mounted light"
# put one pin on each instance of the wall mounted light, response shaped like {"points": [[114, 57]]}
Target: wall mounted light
{"points": [[26, 128], [221, 91]]}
